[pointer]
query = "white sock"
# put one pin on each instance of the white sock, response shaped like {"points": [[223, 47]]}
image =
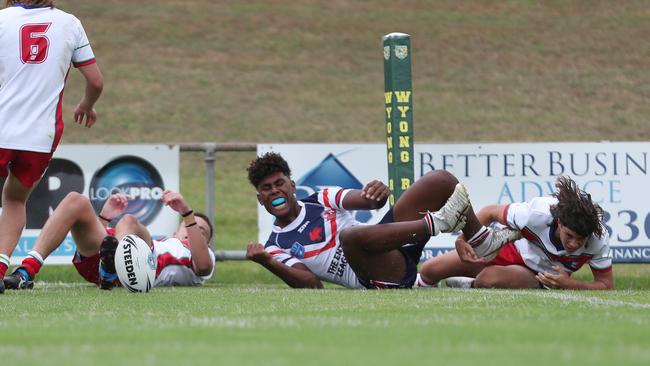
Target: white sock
{"points": [[420, 282], [34, 254]]}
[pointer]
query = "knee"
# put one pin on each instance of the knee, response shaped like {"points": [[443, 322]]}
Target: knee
{"points": [[75, 200], [127, 221], [441, 179], [350, 238], [487, 279]]}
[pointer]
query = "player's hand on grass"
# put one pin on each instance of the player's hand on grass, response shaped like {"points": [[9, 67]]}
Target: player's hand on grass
{"points": [[175, 201], [114, 206], [559, 279], [466, 252], [256, 253], [85, 115], [375, 191]]}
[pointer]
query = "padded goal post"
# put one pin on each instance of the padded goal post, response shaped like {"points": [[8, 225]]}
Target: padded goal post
{"points": [[398, 95]]}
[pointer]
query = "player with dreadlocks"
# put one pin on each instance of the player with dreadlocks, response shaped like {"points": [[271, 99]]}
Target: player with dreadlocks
{"points": [[560, 233]]}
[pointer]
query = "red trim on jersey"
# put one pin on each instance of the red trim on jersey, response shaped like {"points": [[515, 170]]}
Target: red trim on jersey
{"points": [[276, 252], [84, 63], [505, 215], [598, 270], [326, 199], [167, 259], [530, 236], [330, 245], [337, 199], [58, 125]]}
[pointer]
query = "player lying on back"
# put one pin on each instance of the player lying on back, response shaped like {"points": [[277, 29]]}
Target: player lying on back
{"points": [[317, 239], [184, 259], [560, 233]]}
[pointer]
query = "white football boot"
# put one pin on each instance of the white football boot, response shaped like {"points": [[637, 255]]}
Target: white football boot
{"points": [[450, 217], [488, 245], [459, 282]]}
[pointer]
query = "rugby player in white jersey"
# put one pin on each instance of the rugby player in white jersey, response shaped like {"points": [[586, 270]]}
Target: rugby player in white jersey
{"points": [[38, 43], [184, 259], [560, 233], [317, 239]]}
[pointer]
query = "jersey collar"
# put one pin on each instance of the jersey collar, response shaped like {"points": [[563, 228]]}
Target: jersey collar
{"points": [[295, 223]]}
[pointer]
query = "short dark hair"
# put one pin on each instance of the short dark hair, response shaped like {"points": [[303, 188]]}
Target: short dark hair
{"points": [[265, 165], [576, 210], [33, 3], [207, 219]]}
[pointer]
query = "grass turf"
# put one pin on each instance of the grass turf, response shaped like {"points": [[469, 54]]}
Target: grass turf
{"points": [[74, 324]]}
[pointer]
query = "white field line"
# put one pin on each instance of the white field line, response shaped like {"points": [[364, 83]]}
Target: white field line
{"points": [[589, 300]]}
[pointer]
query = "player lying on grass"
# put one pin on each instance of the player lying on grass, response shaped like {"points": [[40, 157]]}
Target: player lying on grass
{"points": [[317, 239], [560, 232], [184, 259]]}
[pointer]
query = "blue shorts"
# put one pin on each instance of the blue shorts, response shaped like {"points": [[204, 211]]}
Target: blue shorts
{"points": [[411, 253]]}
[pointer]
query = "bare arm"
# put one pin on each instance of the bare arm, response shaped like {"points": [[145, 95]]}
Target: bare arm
{"points": [[113, 207], [201, 259], [371, 197], [492, 213], [297, 276], [85, 113], [561, 280]]}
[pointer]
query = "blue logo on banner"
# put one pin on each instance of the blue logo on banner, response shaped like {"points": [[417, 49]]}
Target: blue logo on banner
{"points": [[298, 250], [132, 176], [330, 172]]}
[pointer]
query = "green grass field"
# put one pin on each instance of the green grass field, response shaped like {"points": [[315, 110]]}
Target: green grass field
{"points": [[311, 71], [229, 321]]}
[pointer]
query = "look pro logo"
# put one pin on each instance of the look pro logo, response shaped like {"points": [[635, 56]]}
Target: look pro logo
{"points": [[134, 177], [330, 172]]}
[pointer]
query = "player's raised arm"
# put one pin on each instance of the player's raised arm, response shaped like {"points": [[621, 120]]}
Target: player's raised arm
{"points": [[198, 239], [113, 207], [372, 196]]}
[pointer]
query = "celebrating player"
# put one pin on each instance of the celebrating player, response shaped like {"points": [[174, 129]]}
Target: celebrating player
{"points": [[317, 239], [560, 234], [184, 259], [37, 45]]}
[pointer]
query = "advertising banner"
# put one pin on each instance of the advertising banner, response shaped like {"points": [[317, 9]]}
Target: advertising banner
{"points": [[615, 174], [97, 171]]}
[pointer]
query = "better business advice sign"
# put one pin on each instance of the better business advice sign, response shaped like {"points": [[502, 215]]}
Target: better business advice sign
{"points": [[615, 174], [97, 171]]}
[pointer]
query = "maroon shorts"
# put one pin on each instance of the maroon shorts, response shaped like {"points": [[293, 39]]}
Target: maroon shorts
{"points": [[88, 267], [27, 166]]}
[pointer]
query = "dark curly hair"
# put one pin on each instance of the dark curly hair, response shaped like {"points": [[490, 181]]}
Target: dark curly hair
{"points": [[266, 164], [34, 3], [576, 210]]}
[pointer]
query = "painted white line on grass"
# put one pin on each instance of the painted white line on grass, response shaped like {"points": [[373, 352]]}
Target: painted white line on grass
{"points": [[589, 300]]}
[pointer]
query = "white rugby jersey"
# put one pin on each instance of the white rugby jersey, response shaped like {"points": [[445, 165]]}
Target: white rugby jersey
{"points": [[313, 238], [174, 260], [36, 48], [540, 252]]}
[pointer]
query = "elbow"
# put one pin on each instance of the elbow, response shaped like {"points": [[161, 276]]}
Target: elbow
{"points": [[203, 269], [312, 283], [96, 83]]}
